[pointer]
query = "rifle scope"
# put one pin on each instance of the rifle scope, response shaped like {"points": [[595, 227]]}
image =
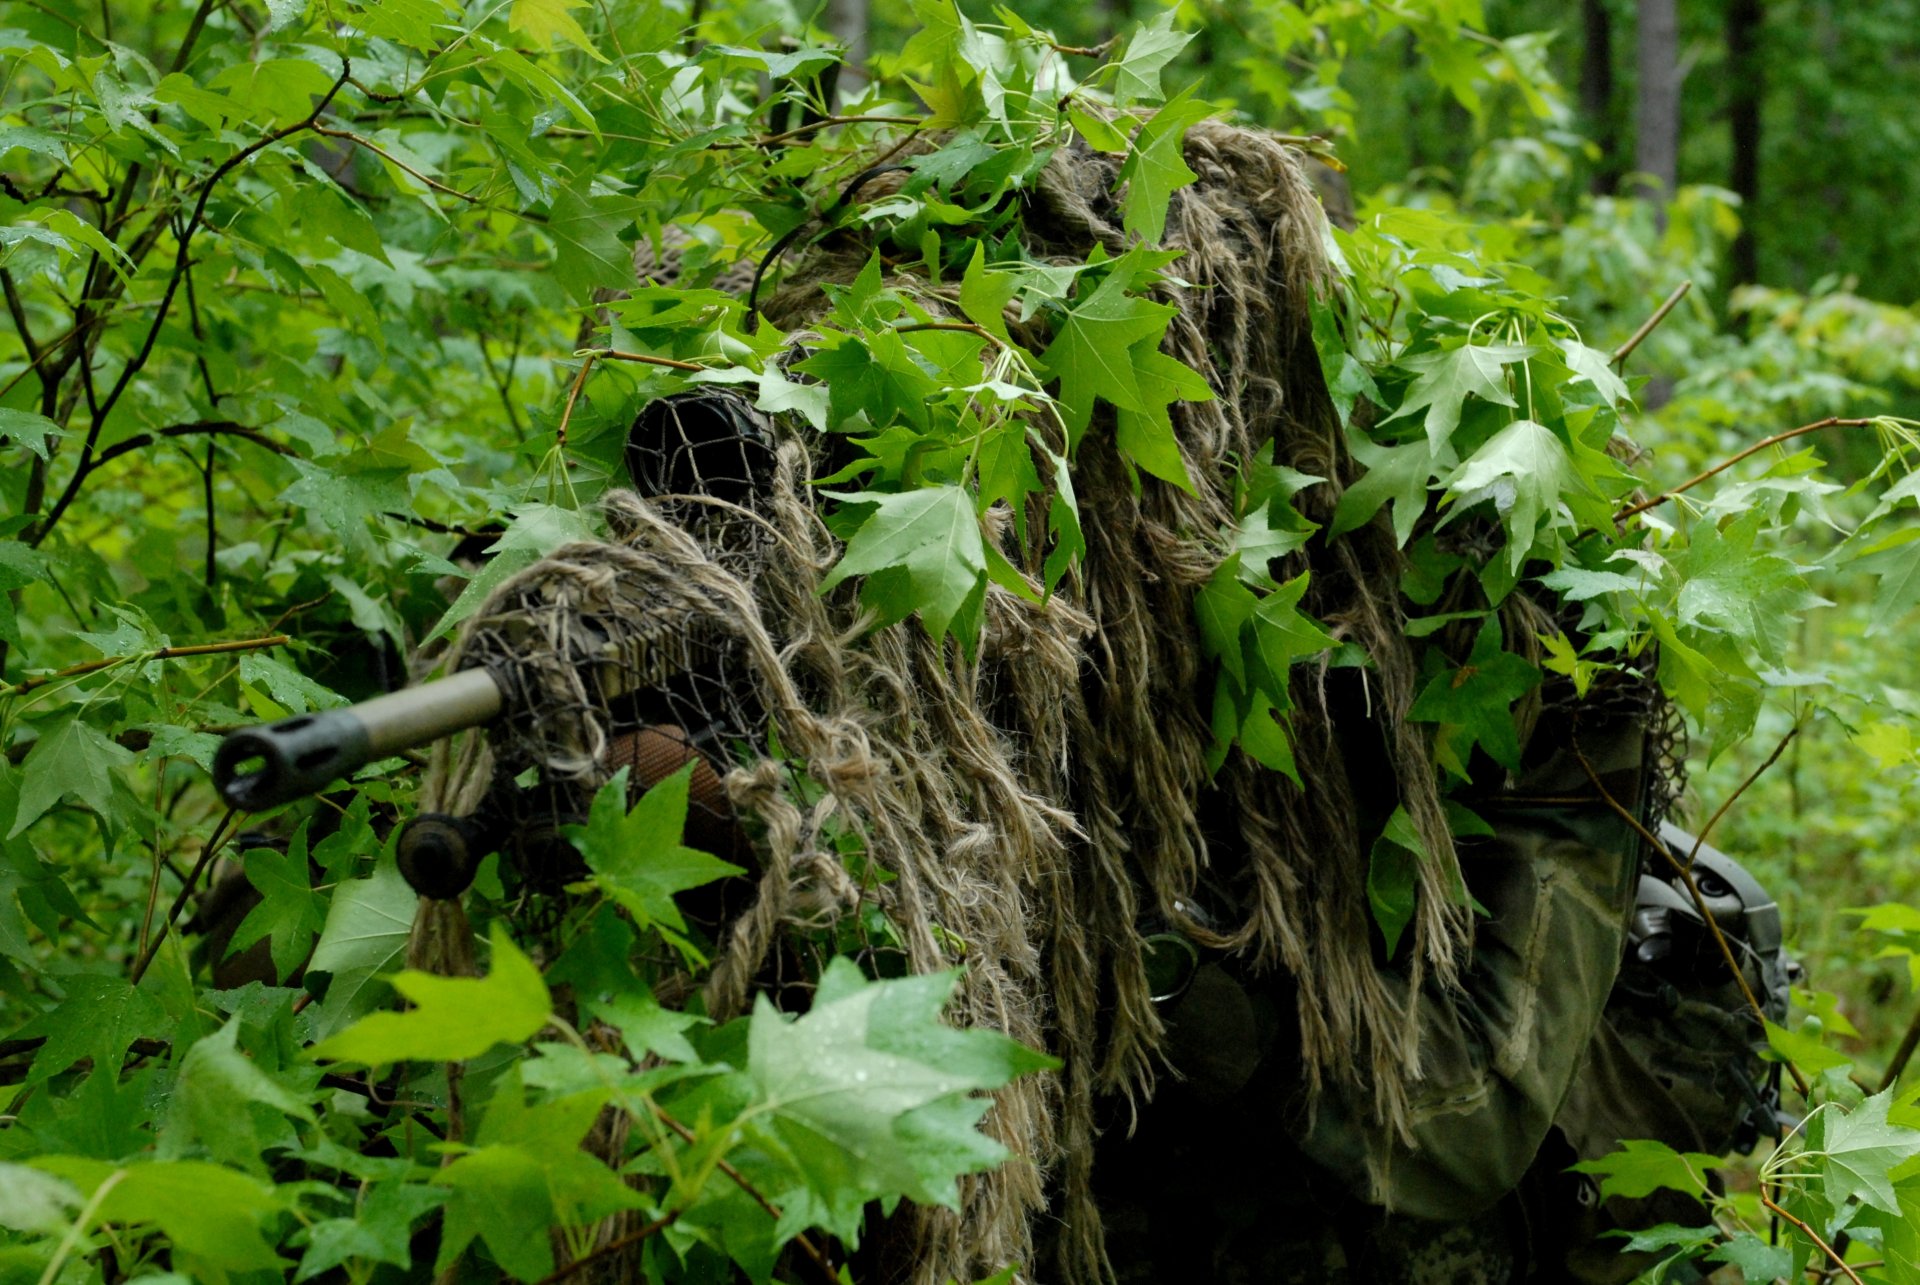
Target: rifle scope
{"points": [[257, 768]]}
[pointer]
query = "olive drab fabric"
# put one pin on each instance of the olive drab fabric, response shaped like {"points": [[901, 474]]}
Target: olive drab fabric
{"points": [[1235, 1173]]}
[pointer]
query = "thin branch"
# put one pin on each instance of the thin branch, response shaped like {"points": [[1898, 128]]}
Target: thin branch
{"points": [[646, 359], [162, 653], [397, 163], [19, 312], [1625, 350], [773, 140], [1814, 1236], [1832, 421], [612, 1247], [817, 1258], [573, 395], [200, 428], [215, 842], [135, 363], [1700, 840], [1903, 1054], [1699, 902], [1100, 50], [964, 327]]}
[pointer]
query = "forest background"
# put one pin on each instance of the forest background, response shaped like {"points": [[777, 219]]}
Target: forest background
{"points": [[255, 408]]}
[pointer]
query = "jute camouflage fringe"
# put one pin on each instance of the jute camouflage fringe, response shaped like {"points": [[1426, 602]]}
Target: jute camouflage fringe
{"points": [[1036, 805]]}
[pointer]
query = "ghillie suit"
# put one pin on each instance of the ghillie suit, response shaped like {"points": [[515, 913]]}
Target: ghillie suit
{"points": [[1036, 812]]}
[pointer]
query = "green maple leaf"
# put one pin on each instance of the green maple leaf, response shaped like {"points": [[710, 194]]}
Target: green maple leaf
{"points": [[1642, 1167], [877, 376], [984, 295], [587, 250], [210, 1213], [1759, 1262], [1523, 468], [1154, 44], [1093, 344], [290, 911], [1859, 1149], [1478, 698], [70, 760], [636, 854], [212, 1095], [920, 550], [1445, 380], [1393, 876], [1396, 475], [380, 1231], [1596, 368], [365, 936], [526, 1173], [1728, 584], [1896, 564], [98, 1018], [869, 1096], [1156, 168], [1146, 436], [29, 430], [453, 1018]]}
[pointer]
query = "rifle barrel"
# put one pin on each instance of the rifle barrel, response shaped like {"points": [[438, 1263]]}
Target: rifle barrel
{"points": [[262, 767]]}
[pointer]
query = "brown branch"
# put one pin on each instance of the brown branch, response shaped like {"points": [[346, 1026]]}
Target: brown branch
{"points": [[646, 359], [1699, 903], [1814, 1236], [1832, 421], [15, 307], [812, 1251], [1903, 1054], [201, 428], [135, 363], [573, 395], [396, 162], [163, 653], [773, 140], [1700, 840], [1625, 350], [964, 327], [612, 1247], [215, 841]]}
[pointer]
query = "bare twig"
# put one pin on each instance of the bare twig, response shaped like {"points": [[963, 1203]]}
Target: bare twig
{"points": [[1700, 840], [135, 363], [1699, 902], [200, 428], [163, 653], [397, 163], [613, 1247], [1903, 1054], [1814, 1236], [1625, 350], [215, 841], [1831, 421], [773, 140], [812, 1251]]}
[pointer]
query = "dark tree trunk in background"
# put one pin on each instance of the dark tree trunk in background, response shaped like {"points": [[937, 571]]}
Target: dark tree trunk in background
{"points": [[1596, 92], [1657, 120], [1746, 90]]}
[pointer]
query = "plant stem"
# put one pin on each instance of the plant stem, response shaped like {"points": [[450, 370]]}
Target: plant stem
{"points": [[1832, 421], [1814, 1236], [163, 653], [1625, 350]]}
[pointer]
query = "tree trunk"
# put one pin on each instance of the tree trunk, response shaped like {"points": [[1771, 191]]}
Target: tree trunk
{"points": [[1596, 92], [847, 20], [1657, 122], [1746, 90]]}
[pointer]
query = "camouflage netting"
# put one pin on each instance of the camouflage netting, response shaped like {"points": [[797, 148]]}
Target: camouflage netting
{"points": [[1037, 805]]}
